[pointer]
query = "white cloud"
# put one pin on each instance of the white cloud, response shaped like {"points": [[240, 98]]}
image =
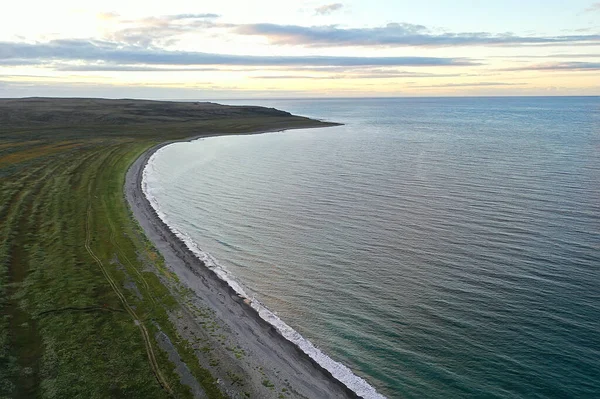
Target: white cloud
{"points": [[593, 8], [328, 8]]}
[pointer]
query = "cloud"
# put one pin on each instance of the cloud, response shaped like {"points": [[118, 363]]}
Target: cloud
{"points": [[325, 72], [127, 68], [593, 8], [475, 84], [165, 30], [194, 16], [281, 77], [397, 34], [107, 16], [117, 53], [559, 66], [328, 8], [588, 55], [159, 30], [19, 61], [364, 74]]}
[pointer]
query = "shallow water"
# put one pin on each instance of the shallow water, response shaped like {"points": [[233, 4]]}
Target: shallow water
{"points": [[438, 247]]}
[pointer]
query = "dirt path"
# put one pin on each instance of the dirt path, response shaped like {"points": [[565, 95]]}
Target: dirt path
{"points": [[150, 351]]}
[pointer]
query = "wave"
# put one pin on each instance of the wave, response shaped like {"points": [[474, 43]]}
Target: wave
{"points": [[338, 370]]}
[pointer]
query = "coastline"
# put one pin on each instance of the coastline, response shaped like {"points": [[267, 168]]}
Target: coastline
{"points": [[270, 359]]}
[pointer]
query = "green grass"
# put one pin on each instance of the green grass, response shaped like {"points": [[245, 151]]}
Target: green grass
{"points": [[69, 326], [268, 384]]}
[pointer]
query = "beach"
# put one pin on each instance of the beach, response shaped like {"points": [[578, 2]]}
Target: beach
{"points": [[239, 341]]}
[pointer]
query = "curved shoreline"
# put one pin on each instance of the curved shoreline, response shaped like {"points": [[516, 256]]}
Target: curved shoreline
{"points": [[258, 337]]}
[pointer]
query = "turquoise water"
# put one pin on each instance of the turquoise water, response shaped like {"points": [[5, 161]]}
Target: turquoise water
{"points": [[442, 248]]}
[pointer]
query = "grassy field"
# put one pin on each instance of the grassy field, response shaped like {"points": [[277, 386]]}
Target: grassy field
{"points": [[80, 295]]}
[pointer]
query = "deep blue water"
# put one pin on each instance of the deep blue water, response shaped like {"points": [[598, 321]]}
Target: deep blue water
{"points": [[441, 248]]}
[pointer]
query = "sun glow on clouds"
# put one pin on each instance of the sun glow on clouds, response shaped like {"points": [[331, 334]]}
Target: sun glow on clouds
{"points": [[311, 48]]}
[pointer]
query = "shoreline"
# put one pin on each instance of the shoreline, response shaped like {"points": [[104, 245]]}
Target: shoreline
{"points": [[270, 355]]}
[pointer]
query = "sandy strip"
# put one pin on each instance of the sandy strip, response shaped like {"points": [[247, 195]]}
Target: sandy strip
{"points": [[267, 355]]}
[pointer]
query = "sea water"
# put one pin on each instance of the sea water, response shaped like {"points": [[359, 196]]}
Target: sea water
{"points": [[442, 248]]}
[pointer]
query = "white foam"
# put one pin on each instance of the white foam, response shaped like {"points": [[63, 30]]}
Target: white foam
{"points": [[339, 371]]}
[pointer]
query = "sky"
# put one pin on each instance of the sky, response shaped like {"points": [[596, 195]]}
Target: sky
{"points": [[178, 49]]}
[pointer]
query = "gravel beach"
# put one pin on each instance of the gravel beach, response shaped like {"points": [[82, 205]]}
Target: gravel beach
{"points": [[264, 362]]}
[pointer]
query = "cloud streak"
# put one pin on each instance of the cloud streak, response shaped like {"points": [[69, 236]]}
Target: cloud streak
{"points": [[475, 84], [328, 8], [559, 66], [116, 53], [397, 34], [368, 74], [128, 68], [588, 55], [161, 29]]}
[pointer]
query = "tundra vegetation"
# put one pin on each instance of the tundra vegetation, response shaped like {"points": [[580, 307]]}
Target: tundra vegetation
{"points": [[82, 293]]}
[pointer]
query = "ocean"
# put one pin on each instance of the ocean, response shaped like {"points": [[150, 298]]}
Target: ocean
{"points": [[438, 247]]}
